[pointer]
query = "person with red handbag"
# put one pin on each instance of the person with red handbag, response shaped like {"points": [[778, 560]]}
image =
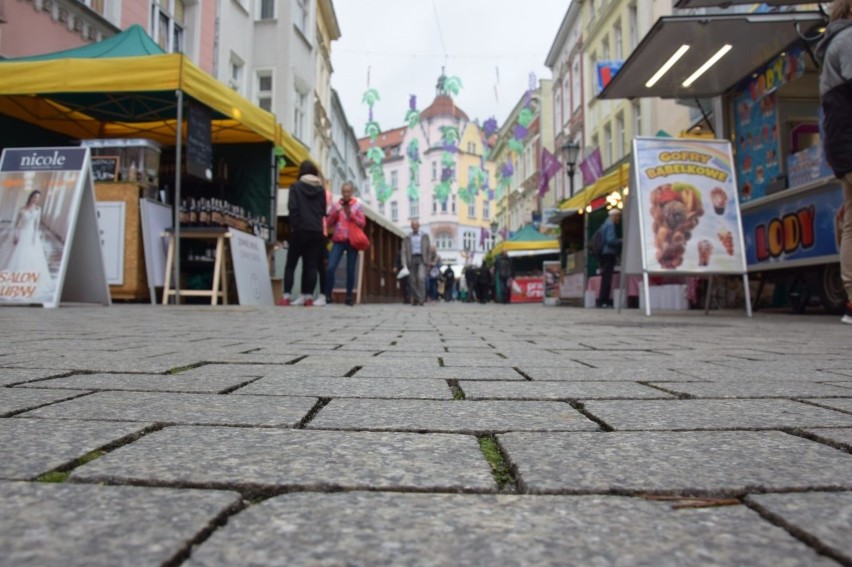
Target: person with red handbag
{"points": [[346, 219]]}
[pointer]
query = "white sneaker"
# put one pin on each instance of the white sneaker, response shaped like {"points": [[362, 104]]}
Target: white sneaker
{"points": [[846, 319], [298, 301], [320, 301]]}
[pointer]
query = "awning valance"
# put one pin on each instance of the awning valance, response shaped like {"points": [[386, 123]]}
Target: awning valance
{"points": [[685, 44], [614, 181]]}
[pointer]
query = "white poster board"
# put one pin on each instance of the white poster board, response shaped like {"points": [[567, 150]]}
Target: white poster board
{"points": [[111, 218], [156, 219], [251, 269], [683, 215], [50, 251]]}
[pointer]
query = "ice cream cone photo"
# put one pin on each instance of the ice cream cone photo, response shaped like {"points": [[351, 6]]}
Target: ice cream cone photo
{"points": [[675, 210]]}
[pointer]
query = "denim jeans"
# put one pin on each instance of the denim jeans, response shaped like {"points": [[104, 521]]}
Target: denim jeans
{"points": [[337, 250]]}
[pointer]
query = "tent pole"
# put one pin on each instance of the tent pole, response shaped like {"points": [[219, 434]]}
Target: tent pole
{"points": [[176, 204]]}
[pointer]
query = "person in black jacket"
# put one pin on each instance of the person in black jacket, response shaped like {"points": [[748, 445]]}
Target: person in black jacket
{"points": [[835, 87], [307, 207]]}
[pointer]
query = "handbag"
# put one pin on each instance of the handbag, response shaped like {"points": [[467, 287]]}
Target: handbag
{"points": [[357, 238], [403, 273]]}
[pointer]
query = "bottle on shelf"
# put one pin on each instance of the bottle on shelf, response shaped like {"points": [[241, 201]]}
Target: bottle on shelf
{"points": [[193, 212]]}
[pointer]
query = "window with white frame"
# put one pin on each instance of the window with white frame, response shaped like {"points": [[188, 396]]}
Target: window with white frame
{"points": [[434, 171], [637, 118], [394, 179], [469, 239], [394, 211], [413, 208], [443, 241], [300, 110], [236, 72], [453, 203], [634, 26], [444, 206], [576, 85], [95, 5], [167, 24], [266, 9], [382, 209], [619, 136], [591, 10], [558, 110], [301, 14], [471, 148], [471, 211], [486, 210], [605, 48], [607, 157], [619, 40], [263, 89], [434, 205]]}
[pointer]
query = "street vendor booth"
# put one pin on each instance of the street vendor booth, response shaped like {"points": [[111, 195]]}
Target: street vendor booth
{"points": [[761, 69], [186, 140], [376, 268], [528, 249]]}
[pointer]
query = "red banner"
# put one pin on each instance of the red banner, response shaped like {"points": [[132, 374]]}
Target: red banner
{"points": [[528, 289]]}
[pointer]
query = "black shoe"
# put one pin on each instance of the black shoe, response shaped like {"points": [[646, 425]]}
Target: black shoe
{"points": [[348, 302]]}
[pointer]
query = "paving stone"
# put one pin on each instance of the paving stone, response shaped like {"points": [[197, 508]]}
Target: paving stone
{"points": [[846, 384], [449, 529], [221, 457], [109, 526], [713, 414], [444, 373], [191, 409], [841, 435], [143, 383], [330, 387], [757, 373], [31, 447], [720, 462], [454, 417], [842, 404], [14, 400], [585, 373], [9, 376], [758, 388], [825, 516], [494, 390]]}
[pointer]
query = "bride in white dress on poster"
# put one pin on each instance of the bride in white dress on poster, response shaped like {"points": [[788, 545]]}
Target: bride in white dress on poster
{"points": [[28, 254]]}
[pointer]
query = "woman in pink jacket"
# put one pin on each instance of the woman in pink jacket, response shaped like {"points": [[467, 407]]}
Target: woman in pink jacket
{"points": [[346, 210]]}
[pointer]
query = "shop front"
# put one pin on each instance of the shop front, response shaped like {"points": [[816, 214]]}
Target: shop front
{"points": [[528, 251], [161, 130], [765, 82]]}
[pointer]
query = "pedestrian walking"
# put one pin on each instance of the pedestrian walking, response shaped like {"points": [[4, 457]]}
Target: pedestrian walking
{"points": [[503, 270], [415, 247], [343, 212], [433, 263], [306, 206], [470, 274], [835, 88], [483, 284], [608, 257], [449, 283]]}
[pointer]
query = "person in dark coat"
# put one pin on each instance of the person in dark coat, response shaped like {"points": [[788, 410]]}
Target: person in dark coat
{"points": [[483, 284], [449, 283], [503, 270], [306, 205], [470, 280], [835, 88], [609, 257]]}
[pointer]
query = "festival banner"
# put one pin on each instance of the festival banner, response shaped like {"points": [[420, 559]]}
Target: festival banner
{"points": [[688, 213], [47, 223]]}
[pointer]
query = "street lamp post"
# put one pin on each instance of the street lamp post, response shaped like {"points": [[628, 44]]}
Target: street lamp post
{"points": [[571, 151]]}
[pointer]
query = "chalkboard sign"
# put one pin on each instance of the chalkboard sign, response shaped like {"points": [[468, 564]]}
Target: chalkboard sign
{"points": [[104, 168], [199, 142]]}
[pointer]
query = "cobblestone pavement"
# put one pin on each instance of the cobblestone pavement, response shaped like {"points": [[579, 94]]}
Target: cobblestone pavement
{"points": [[439, 435]]}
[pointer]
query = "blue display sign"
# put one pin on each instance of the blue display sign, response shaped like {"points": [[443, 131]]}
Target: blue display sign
{"points": [[807, 166], [806, 226]]}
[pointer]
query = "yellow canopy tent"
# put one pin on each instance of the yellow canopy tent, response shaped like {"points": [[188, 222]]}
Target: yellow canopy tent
{"points": [[527, 241], [614, 181]]}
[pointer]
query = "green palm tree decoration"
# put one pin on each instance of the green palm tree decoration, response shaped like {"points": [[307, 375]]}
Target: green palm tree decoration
{"points": [[412, 117], [516, 146], [371, 96], [452, 85], [442, 191], [376, 155], [525, 117], [372, 130], [447, 159]]}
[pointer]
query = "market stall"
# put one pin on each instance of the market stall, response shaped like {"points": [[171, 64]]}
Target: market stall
{"points": [[527, 250], [218, 149], [768, 102]]}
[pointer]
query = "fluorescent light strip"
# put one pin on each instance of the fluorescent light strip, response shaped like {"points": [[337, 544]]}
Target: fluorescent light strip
{"points": [[710, 62], [666, 66]]}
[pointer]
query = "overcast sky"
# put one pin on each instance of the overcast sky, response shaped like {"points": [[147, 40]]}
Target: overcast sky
{"points": [[403, 44]]}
